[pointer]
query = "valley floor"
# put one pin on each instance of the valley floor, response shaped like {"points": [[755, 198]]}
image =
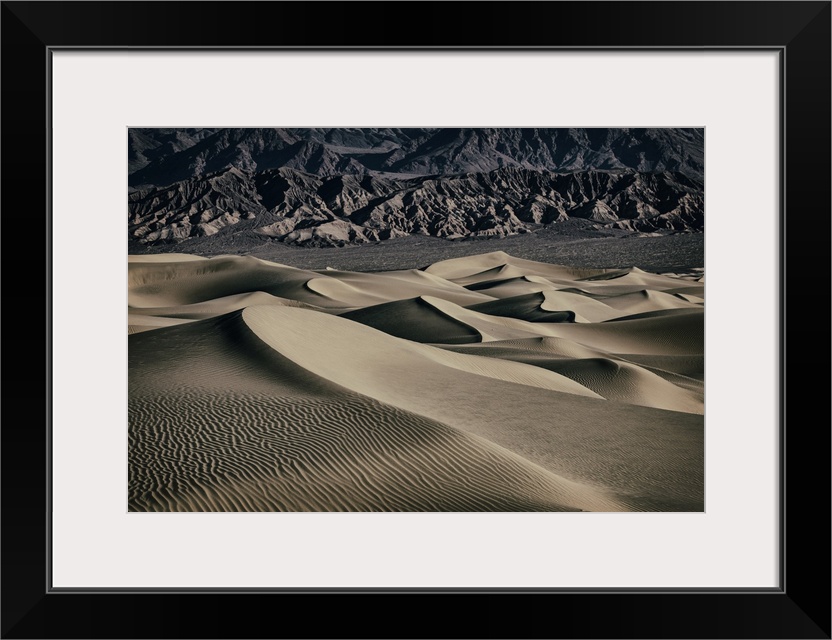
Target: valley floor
{"points": [[574, 243]]}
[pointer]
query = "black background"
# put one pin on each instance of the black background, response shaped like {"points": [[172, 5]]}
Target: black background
{"points": [[800, 610]]}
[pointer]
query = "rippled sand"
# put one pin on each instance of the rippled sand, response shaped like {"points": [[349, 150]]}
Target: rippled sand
{"points": [[486, 383]]}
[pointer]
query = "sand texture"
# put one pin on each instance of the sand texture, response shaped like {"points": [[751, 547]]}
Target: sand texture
{"points": [[483, 383]]}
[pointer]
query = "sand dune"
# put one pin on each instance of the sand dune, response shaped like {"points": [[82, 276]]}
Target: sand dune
{"points": [[416, 319], [677, 334], [519, 417], [478, 384], [138, 323], [157, 283], [163, 257], [511, 287], [658, 313], [614, 378], [230, 425], [632, 276], [647, 300], [692, 291], [495, 274], [617, 380], [692, 366], [147, 318], [532, 307], [585, 307], [492, 327], [292, 332], [219, 306], [161, 284], [350, 290], [543, 346], [440, 321], [474, 268]]}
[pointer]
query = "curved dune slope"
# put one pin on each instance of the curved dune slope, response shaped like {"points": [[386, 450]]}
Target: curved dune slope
{"points": [[492, 327], [475, 268], [688, 366], [697, 292], [633, 276], [166, 284], [221, 422], [677, 334], [544, 346], [650, 459], [590, 303], [174, 283], [416, 320], [530, 307], [495, 274], [510, 287], [397, 285], [164, 257], [613, 378], [658, 313], [439, 321], [371, 369], [625, 382], [586, 309], [139, 323], [148, 318], [647, 300], [220, 306]]}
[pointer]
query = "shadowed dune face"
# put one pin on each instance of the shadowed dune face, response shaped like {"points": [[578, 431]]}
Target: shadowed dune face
{"points": [[531, 307], [485, 383], [416, 320]]}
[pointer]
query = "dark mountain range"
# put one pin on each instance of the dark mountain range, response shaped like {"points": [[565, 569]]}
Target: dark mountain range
{"points": [[329, 187], [303, 208], [161, 157]]}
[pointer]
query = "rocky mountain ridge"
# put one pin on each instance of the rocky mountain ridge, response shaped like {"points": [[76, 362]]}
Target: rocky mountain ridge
{"points": [[309, 209]]}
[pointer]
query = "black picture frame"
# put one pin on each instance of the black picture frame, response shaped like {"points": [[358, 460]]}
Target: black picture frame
{"points": [[799, 608]]}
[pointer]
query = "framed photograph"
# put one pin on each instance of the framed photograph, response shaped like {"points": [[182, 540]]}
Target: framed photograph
{"points": [[416, 308]]}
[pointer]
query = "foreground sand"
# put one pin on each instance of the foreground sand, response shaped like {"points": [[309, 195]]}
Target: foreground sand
{"points": [[485, 383]]}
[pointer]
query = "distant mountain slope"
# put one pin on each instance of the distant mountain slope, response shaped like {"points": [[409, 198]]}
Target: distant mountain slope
{"points": [[160, 157], [304, 208]]}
